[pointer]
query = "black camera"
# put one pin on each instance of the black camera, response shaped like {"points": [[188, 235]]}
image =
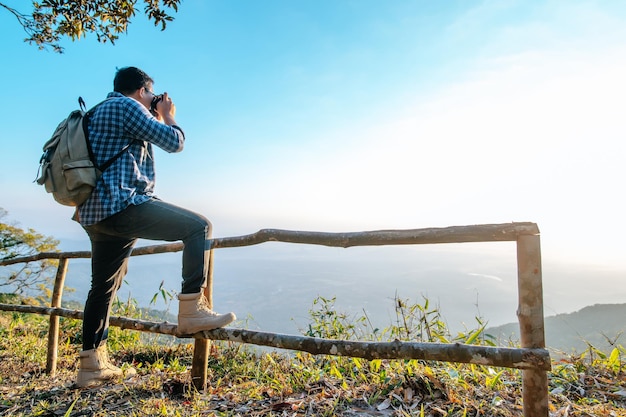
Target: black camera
{"points": [[154, 102]]}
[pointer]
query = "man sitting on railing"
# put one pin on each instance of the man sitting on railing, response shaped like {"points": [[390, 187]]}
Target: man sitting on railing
{"points": [[123, 208]]}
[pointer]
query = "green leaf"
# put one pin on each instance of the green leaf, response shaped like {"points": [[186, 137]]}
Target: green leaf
{"points": [[614, 360]]}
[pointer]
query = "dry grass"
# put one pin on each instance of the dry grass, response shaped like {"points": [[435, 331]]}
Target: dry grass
{"points": [[245, 383]]}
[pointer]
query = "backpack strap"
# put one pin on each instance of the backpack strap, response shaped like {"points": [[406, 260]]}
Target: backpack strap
{"points": [[81, 104], [86, 119], [117, 155]]}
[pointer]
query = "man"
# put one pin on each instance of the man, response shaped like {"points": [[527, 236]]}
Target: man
{"points": [[123, 208]]}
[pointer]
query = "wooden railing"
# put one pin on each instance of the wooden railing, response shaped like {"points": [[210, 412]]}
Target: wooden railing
{"points": [[532, 357]]}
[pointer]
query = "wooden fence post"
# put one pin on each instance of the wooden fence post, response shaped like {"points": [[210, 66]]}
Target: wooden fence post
{"points": [[53, 330], [530, 315], [202, 346]]}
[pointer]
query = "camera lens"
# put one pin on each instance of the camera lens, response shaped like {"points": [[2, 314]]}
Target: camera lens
{"points": [[154, 102]]}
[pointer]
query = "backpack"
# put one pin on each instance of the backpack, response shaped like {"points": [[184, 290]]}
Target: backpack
{"points": [[67, 167]]}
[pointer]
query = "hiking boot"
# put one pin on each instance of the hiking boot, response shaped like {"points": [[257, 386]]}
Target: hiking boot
{"points": [[95, 368], [194, 314]]}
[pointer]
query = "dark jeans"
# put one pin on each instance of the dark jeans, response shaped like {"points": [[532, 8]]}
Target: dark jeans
{"points": [[112, 241]]}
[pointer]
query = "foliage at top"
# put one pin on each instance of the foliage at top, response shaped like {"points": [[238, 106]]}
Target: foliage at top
{"points": [[52, 20]]}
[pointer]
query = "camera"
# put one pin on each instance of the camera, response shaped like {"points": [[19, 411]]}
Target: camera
{"points": [[154, 102]]}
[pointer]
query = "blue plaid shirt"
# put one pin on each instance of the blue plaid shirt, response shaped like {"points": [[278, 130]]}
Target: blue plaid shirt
{"points": [[118, 121]]}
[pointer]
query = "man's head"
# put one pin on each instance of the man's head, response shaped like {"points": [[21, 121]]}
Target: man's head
{"points": [[130, 79], [135, 83]]}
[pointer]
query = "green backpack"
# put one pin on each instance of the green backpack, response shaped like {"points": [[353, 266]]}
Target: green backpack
{"points": [[67, 167]]}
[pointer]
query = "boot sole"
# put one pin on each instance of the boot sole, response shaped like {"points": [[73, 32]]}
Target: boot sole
{"points": [[199, 327]]}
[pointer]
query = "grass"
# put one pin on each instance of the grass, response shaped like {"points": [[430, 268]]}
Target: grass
{"points": [[246, 382]]}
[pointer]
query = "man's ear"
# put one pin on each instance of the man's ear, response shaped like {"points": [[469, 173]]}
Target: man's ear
{"points": [[137, 94]]}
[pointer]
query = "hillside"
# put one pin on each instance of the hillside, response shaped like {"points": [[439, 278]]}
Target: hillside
{"points": [[601, 325]]}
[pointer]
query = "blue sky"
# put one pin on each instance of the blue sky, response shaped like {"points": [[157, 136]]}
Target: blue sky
{"points": [[357, 115]]}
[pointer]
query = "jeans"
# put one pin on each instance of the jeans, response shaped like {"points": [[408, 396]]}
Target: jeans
{"points": [[112, 241]]}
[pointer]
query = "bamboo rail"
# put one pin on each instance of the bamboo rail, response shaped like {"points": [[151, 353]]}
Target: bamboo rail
{"points": [[532, 358], [523, 358]]}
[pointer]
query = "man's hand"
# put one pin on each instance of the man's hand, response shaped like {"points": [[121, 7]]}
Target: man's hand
{"points": [[166, 110]]}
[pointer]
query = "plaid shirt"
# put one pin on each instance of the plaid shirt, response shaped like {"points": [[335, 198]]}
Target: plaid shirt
{"points": [[115, 123]]}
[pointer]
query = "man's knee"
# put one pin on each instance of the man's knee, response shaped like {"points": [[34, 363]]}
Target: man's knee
{"points": [[206, 225]]}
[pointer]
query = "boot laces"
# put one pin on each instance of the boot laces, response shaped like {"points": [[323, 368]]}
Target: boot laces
{"points": [[203, 305], [106, 361]]}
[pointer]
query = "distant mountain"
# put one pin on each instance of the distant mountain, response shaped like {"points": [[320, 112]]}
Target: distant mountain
{"points": [[600, 325]]}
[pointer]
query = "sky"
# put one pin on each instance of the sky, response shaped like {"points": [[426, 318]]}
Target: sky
{"points": [[339, 115]]}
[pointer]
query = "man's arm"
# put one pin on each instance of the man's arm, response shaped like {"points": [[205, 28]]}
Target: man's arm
{"points": [[142, 125]]}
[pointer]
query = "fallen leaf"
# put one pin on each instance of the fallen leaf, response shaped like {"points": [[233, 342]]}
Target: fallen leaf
{"points": [[384, 405]]}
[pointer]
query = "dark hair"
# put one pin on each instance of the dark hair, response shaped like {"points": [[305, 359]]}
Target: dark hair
{"points": [[130, 79]]}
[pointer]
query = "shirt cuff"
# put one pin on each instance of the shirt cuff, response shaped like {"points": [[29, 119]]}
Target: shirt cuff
{"points": [[179, 129]]}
